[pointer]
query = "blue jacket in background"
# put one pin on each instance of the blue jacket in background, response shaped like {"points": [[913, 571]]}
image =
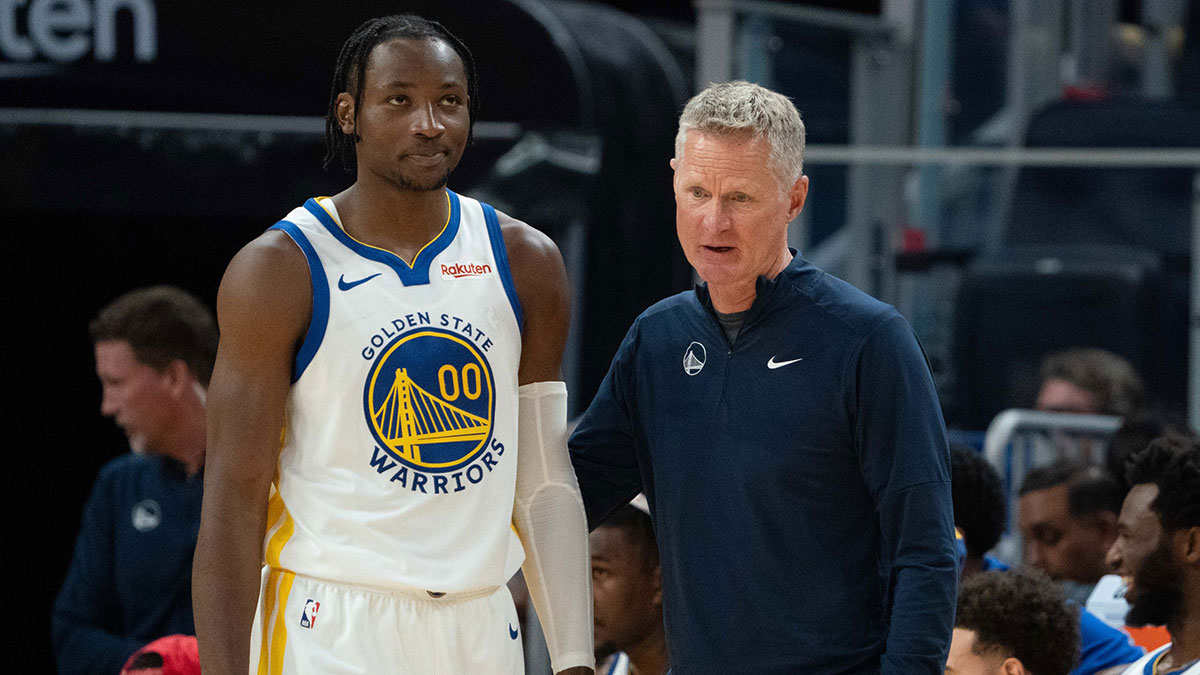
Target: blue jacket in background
{"points": [[130, 576], [798, 480]]}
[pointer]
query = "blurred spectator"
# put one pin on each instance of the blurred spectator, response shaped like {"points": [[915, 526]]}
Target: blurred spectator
{"points": [[129, 581], [1157, 552], [980, 508], [1135, 433], [1089, 381], [171, 655], [979, 515], [1013, 623], [1068, 519], [627, 587]]}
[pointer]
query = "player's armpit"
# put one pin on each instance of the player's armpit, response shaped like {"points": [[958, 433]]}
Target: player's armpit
{"points": [[541, 283], [263, 309]]}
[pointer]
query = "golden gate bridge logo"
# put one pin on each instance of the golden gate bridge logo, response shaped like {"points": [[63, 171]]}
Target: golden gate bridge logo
{"points": [[429, 400]]}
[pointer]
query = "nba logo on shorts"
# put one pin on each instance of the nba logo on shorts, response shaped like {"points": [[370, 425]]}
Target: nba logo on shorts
{"points": [[308, 618]]}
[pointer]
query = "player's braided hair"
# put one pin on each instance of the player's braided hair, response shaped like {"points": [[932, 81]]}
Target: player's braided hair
{"points": [[352, 67], [1020, 614], [1173, 464]]}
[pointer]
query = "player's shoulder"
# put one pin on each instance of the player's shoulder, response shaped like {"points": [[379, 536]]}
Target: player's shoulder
{"points": [[271, 264], [526, 245]]}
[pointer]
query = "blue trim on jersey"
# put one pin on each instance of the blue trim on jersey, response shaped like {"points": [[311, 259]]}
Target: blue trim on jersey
{"points": [[320, 292], [416, 274], [500, 253]]}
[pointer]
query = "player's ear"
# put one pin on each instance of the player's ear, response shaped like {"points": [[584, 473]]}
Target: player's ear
{"points": [[345, 112]]}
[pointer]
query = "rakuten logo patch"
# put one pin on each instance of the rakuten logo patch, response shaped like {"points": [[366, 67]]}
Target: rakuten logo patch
{"points": [[463, 270]]}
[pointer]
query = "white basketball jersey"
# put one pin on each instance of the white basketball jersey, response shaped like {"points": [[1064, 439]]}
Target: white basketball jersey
{"points": [[399, 459]]}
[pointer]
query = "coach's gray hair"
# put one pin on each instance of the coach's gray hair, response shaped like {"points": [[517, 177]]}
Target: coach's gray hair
{"points": [[730, 108]]}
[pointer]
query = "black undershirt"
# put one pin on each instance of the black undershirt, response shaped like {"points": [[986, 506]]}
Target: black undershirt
{"points": [[731, 323]]}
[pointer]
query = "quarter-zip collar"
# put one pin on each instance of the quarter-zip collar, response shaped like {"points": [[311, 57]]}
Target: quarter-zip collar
{"points": [[766, 291]]}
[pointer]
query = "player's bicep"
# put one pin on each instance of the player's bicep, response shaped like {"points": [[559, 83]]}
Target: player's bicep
{"points": [[541, 283], [263, 309]]}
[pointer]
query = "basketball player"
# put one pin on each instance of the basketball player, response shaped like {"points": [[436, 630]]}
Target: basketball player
{"points": [[407, 342]]}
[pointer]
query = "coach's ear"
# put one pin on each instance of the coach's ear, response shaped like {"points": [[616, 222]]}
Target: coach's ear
{"points": [[345, 112]]}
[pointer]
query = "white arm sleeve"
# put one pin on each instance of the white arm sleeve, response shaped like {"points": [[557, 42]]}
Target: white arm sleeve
{"points": [[549, 518]]}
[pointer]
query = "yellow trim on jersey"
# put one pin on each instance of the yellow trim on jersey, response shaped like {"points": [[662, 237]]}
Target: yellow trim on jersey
{"points": [[277, 510], [268, 610], [449, 210], [279, 634]]}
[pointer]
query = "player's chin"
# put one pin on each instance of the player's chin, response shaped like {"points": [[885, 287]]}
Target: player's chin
{"points": [[422, 183]]}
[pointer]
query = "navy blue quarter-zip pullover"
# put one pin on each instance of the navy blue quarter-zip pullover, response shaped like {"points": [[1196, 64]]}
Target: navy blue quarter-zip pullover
{"points": [[798, 480]]}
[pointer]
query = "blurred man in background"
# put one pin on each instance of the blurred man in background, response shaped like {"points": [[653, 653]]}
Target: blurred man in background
{"points": [[1068, 519], [1089, 381], [130, 577]]}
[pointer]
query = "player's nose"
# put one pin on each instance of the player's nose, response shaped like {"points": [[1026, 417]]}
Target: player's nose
{"points": [[426, 121]]}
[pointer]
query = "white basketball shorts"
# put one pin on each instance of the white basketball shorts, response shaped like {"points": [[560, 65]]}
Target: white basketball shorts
{"points": [[305, 626]]}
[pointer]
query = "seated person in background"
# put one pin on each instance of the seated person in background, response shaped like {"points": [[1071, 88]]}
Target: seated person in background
{"points": [[1157, 552], [1013, 623], [1068, 519], [979, 516], [1136, 432], [129, 581], [627, 588], [1089, 381], [980, 508]]}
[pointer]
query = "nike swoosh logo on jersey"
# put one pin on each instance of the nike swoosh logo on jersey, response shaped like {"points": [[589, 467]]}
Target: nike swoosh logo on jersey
{"points": [[344, 285], [512, 632], [773, 364]]}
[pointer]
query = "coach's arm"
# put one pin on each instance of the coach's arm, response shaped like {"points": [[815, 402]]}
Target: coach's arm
{"points": [[263, 309], [903, 454]]}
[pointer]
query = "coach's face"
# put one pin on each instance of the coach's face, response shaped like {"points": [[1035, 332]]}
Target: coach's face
{"points": [[732, 212], [414, 119]]}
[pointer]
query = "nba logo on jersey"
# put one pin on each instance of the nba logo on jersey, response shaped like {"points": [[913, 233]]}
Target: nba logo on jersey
{"points": [[429, 400], [308, 616]]}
